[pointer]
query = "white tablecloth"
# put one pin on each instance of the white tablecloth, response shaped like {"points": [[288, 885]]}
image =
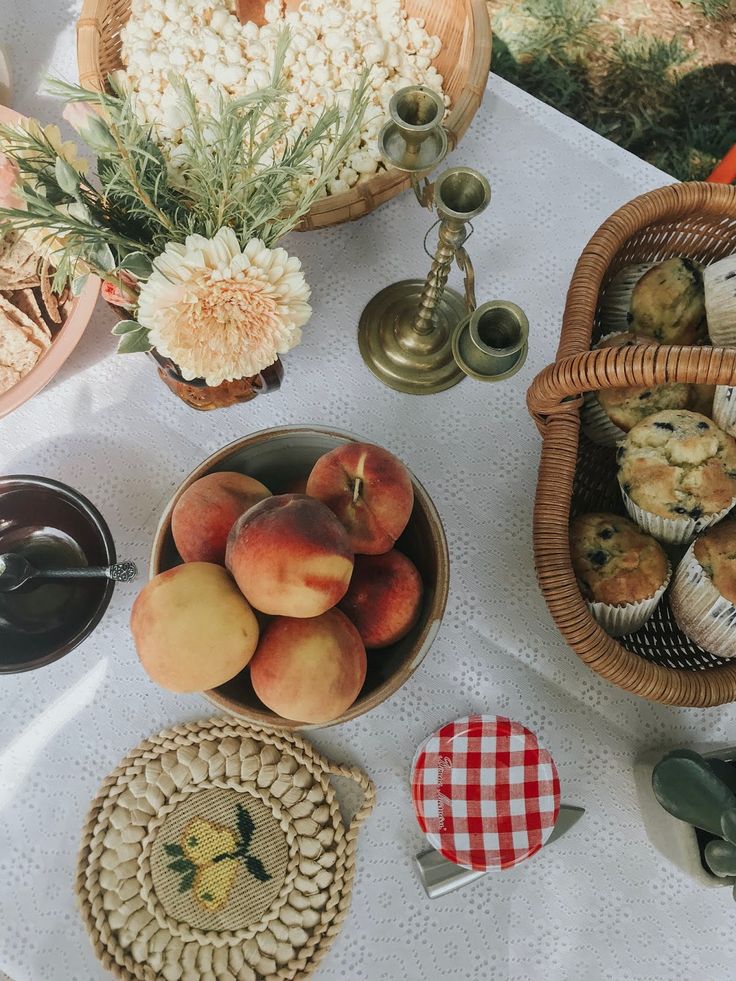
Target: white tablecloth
{"points": [[600, 904]]}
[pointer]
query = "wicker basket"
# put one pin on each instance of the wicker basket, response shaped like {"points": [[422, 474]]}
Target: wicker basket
{"points": [[696, 220], [464, 61]]}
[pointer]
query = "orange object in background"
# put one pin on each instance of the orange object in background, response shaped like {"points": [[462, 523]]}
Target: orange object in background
{"points": [[725, 171]]}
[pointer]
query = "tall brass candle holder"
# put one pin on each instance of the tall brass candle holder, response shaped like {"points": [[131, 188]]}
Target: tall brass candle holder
{"points": [[406, 331]]}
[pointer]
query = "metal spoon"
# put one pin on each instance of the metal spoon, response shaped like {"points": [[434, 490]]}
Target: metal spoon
{"points": [[15, 570]]}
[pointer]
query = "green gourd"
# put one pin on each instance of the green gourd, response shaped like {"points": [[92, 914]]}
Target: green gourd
{"points": [[703, 793]]}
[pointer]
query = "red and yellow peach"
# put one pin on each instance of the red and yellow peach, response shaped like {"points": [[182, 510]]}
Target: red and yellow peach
{"points": [[369, 490], [309, 670], [384, 598], [290, 556], [192, 627], [207, 510]]}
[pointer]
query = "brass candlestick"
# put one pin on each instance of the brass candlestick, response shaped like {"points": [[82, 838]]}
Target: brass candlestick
{"points": [[417, 335], [405, 331]]}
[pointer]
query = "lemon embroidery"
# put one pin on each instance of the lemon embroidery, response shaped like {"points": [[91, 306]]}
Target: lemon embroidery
{"points": [[207, 858], [213, 883]]}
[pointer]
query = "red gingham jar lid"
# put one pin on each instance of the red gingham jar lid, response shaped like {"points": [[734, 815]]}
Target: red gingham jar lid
{"points": [[485, 793]]}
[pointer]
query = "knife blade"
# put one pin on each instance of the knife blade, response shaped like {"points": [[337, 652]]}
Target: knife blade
{"points": [[439, 875]]}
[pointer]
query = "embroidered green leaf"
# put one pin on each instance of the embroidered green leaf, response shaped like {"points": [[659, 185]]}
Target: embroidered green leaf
{"points": [[223, 856], [256, 868], [187, 881], [245, 827], [182, 865], [174, 850]]}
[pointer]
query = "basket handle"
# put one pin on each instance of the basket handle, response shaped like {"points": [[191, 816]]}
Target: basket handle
{"points": [[279, 737], [366, 785], [559, 388], [689, 201]]}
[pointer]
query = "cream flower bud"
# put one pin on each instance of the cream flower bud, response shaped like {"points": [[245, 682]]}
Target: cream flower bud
{"points": [[249, 307]]}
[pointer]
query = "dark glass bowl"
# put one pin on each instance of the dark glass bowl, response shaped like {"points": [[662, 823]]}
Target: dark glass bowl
{"points": [[52, 526]]}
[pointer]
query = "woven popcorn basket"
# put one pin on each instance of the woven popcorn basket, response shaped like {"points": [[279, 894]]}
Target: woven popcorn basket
{"points": [[217, 849], [697, 220], [464, 61]]}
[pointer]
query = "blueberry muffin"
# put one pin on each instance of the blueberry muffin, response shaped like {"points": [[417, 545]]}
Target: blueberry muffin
{"points": [[704, 590], [622, 572], [615, 303], [622, 408], [677, 472], [668, 303], [719, 283]]}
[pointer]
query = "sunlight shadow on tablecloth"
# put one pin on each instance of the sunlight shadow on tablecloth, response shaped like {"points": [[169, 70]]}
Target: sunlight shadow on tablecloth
{"points": [[18, 758]]}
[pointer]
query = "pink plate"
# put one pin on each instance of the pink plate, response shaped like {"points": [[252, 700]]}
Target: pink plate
{"points": [[65, 340], [485, 793]]}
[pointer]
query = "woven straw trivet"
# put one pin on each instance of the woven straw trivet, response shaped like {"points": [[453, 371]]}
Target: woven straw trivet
{"points": [[216, 851]]}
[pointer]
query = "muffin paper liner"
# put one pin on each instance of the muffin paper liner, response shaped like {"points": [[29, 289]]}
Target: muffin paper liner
{"points": [[616, 304], [627, 617], [719, 283], [701, 612], [596, 424], [724, 408], [674, 531]]}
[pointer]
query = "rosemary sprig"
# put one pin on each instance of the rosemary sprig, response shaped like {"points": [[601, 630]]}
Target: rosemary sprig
{"points": [[239, 167]]}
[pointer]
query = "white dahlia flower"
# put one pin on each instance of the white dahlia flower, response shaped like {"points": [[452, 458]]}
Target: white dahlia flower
{"points": [[221, 312]]}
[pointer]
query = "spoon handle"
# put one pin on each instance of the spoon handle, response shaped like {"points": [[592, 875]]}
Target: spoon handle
{"points": [[120, 572]]}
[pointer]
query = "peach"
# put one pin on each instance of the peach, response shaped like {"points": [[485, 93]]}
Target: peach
{"points": [[207, 510], [309, 670], [384, 598], [369, 490], [192, 627], [290, 556]]}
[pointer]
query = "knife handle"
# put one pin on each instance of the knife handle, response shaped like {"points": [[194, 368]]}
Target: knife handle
{"points": [[439, 875]]}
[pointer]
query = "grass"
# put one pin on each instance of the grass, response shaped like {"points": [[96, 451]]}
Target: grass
{"points": [[640, 91], [712, 9]]}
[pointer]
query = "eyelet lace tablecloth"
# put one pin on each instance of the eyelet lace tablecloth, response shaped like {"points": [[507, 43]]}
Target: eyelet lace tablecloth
{"points": [[600, 904]]}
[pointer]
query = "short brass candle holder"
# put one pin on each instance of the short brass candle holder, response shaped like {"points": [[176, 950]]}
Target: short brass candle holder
{"points": [[405, 332], [492, 342]]}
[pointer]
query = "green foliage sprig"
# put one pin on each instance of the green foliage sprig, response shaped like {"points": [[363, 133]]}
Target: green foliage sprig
{"points": [[238, 168]]}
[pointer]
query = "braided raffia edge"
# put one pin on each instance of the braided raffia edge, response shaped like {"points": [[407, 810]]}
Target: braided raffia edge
{"points": [[120, 963]]}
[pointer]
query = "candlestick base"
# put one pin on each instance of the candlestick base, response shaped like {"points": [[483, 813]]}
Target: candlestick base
{"points": [[416, 364]]}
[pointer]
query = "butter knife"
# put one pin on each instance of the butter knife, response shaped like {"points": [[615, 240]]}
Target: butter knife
{"points": [[439, 875]]}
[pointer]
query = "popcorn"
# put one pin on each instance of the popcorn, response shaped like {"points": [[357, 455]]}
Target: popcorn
{"points": [[331, 41]]}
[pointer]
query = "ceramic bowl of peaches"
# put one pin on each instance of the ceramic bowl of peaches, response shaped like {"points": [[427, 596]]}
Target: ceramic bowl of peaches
{"points": [[298, 578]]}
